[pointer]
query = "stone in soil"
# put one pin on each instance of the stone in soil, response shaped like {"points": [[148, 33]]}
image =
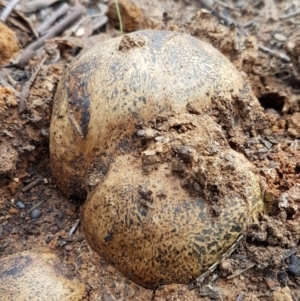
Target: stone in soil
{"points": [[294, 265], [20, 204], [35, 214]]}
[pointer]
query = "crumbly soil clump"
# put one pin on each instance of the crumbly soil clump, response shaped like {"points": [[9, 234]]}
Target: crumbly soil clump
{"points": [[9, 44]]}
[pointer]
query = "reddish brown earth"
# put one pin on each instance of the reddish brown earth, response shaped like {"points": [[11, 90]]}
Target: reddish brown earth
{"points": [[263, 266]]}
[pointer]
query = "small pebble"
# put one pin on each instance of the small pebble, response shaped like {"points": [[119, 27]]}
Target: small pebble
{"points": [[13, 211], [283, 278], [20, 204], [61, 242], [294, 265], [159, 139], [141, 133], [280, 37], [69, 247], [36, 213], [1, 231]]}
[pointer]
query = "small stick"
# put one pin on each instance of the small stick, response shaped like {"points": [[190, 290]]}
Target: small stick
{"points": [[8, 134], [24, 94], [27, 21], [35, 206], [200, 279], [33, 184], [74, 227], [275, 53], [36, 5], [11, 81], [30, 51], [75, 27], [290, 15], [7, 10], [44, 26], [103, 21]]}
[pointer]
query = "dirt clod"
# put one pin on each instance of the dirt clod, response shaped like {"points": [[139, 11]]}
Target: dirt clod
{"points": [[8, 161], [282, 294], [9, 45], [213, 293]]}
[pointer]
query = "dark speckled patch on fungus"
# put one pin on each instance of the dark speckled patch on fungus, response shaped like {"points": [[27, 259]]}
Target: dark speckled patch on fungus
{"points": [[15, 267], [108, 237], [79, 99]]}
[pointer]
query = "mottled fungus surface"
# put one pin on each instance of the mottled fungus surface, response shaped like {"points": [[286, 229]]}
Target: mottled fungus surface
{"points": [[141, 124]]}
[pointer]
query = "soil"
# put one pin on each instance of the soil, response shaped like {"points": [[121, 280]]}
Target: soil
{"points": [[264, 46]]}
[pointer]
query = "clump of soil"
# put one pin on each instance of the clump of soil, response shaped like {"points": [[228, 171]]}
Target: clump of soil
{"points": [[9, 45]]}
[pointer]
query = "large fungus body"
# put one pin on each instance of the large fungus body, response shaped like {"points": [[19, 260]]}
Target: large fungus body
{"points": [[141, 124]]}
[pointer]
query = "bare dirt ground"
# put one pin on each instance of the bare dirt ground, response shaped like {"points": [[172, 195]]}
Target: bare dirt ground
{"points": [[263, 44]]}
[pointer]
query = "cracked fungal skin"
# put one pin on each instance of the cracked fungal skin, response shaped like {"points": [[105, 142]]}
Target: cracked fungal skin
{"points": [[141, 124]]}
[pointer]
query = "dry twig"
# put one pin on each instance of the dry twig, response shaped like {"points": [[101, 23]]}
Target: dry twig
{"points": [[290, 15], [35, 206], [33, 184], [12, 82], [275, 53], [43, 27], [100, 23], [74, 227], [13, 18], [33, 6], [30, 51], [102, 20], [201, 278], [7, 10], [24, 94]]}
